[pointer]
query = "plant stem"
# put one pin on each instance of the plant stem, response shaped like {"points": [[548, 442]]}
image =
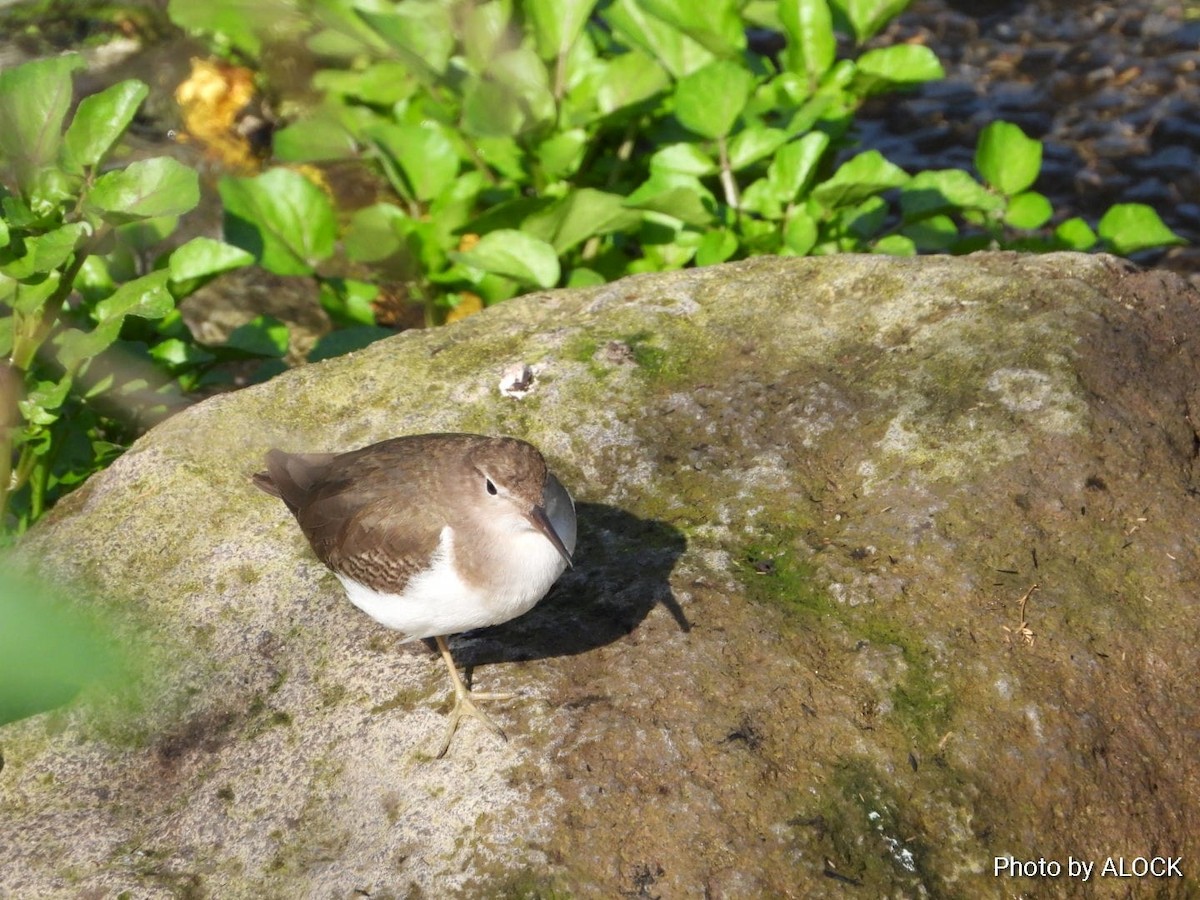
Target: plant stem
{"points": [[727, 183]]}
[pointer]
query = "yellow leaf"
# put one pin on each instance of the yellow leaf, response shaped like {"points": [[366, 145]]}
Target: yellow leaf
{"points": [[213, 100], [468, 304]]}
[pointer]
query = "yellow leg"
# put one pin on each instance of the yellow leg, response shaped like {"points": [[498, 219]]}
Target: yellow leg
{"points": [[464, 705]]}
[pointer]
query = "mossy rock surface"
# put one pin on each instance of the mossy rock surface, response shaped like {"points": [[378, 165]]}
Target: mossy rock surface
{"points": [[792, 658]]}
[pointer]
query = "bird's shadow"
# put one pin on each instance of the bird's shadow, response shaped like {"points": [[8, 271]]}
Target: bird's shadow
{"points": [[621, 569]]}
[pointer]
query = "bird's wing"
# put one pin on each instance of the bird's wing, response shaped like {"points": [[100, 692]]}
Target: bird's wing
{"points": [[366, 517], [384, 544]]}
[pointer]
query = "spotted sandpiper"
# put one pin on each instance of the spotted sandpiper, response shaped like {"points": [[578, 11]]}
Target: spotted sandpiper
{"points": [[433, 534]]}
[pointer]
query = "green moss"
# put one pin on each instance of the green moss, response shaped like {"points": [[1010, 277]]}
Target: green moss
{"points": [[651, 359], [866, 834], [332, 694], [773, 574], [922, 704], [581, 348], [526, 885], [400, 700]]}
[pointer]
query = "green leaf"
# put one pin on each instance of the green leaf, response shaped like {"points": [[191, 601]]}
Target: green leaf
{"points": [[375, 232], [178, 354], [1028, 210], [901, 65], [504, 154], [16, 211], [513, 254], [50, 649], [347, 340], [484, 31], [76, 347], [204, 257], [585, 278], [858, 178], [895, 245], [760, 198], [628, 80], [455, 206], [811, 48], [1076, 234], [146, 297], [635, 27], [491, 109], [34, 99], [865, 220], [800, 233], [714, 24], [45, 397], [348, 302], [314, 139], [30, 296], [280, 217], [687, 159], [425, 153], [345, 38], [709, 100], [795, 164], [522, 72], [866, 17], [681, 196], [716, 247], [144, 190], [933, 234], [263, 336], [238, 24], [557, 23], [99, 121], [1130, 227], [420, 31], [1007, 159], [754, 143], [578, 216], [561, 154], [384, 83], [945, 190], [46, 251], [509, 214]]}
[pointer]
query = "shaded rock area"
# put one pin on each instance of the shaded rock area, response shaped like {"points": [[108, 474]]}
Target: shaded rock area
{"points": [[886, 568]]}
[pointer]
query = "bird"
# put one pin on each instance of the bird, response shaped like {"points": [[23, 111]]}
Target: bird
{"points": [[433, 534]]}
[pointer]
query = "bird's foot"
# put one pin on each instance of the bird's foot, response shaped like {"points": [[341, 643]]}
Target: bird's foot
{"points": [[464, 707]]}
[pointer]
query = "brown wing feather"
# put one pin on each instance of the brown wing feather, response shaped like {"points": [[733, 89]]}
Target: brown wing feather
{"points": [[367, 514]]}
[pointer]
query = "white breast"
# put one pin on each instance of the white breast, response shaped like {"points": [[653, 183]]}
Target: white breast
{"points": [[439, 602]]}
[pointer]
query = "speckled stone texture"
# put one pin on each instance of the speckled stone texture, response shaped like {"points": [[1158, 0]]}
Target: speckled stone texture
{"points": [[801, 653]]}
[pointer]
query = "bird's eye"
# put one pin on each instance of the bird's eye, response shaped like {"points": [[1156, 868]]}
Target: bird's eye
{"points": [[491, 488]]}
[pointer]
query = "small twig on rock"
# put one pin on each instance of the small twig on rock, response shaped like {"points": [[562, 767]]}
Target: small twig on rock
{"points": [[1023, 630]]}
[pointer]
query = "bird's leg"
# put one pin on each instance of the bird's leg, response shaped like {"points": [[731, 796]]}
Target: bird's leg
{"points": [[464, 702]]}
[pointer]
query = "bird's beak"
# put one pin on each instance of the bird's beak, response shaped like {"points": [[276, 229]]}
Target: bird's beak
{"points": [[555, 517], [540, 521]]}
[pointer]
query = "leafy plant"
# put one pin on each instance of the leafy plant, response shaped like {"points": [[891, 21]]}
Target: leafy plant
{"points": [[534, 143], [73, 233], [949, 210]]}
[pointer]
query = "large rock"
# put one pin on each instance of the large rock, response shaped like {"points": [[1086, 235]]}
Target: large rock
{"points": [[801, 649]]}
